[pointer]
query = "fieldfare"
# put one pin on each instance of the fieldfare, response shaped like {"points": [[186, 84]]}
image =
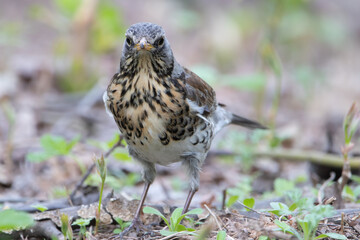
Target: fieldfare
{"points": [[165, 112]]}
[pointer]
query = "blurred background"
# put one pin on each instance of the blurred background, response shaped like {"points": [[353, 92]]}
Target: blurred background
{"points": [[293, 65]]}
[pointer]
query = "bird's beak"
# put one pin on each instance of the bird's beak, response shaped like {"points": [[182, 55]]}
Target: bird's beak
{"points": [[143, 45]]}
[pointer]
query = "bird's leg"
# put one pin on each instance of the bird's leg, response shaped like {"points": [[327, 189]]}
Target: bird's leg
{"points": [[188, 200], [136, 223], [193, 166], [148, 173]]}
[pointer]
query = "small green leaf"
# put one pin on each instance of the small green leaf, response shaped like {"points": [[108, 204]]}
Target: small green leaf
{"points": [[282, 225], [38, 157], [150, 210], [195, 211], [175, 218], [249, 202], [122, 156], [82, 222], [232, 200], [40, 207], [13, 220], [221, 235], [180, 228], [331, 235], [293, 207], [166, 232], [263, 238]]}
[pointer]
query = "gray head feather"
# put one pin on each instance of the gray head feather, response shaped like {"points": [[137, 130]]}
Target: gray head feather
{"points": [[160, 54]]}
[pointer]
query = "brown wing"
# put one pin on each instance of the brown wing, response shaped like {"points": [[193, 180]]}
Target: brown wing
{"points": [[200, 93]]}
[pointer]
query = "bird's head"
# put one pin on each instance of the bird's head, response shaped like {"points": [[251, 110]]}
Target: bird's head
{"points": [[146, 42]]}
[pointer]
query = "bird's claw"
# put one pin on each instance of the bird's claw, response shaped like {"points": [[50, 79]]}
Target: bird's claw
{"points": [[135, 224]]}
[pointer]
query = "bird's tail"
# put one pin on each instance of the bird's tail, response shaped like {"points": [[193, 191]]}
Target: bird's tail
{"points": [[237, 120]]}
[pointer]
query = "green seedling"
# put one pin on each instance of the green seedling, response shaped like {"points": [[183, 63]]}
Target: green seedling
{"points": [[350, 126], [307, 217], [82, 223], [239, 192], [52, 146], [66, 227], [249, 202], [122, 225], [40, 207], [174, 224], [221, 235], [101, 169], [14, 220]]}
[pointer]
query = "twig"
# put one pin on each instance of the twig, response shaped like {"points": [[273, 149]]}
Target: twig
{"points": [[214, 216], [304, 155], [253, 210], [323, 186], [296, 156], [224, 192], [90, 169], [342, 224]]}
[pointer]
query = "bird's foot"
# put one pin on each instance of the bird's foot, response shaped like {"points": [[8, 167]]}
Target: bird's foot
{"points": [[136, 224]]}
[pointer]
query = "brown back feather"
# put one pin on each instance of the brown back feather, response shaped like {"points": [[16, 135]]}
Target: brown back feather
{"points": [[198, 91]]}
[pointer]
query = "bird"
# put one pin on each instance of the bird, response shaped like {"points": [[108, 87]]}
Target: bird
{"points": [[165, 112]]}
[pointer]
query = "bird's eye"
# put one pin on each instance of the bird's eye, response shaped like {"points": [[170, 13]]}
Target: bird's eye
{"points": [[161, 41], [128, 41]]}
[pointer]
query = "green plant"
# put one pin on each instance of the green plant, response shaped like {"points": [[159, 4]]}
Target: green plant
{"points": [[66, 227], [101, 169], [82, 223], [174, 225], [52, 146], [40, 207], [240, 192], [14, 220], [350, 126], [122, 225], [221, 235], [249, 202], [306, 215]]}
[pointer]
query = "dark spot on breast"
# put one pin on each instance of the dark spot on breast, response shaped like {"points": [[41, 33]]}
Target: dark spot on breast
{"points": [[187, 108], [152, 107], [168, 92], [190, 129], [181, 112], [176, 138], [123, 91], [184, 123], [173, 122], [164, 138], [172, 130], [181, 133], [137, 133], [144, 115], [194, 140]]}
